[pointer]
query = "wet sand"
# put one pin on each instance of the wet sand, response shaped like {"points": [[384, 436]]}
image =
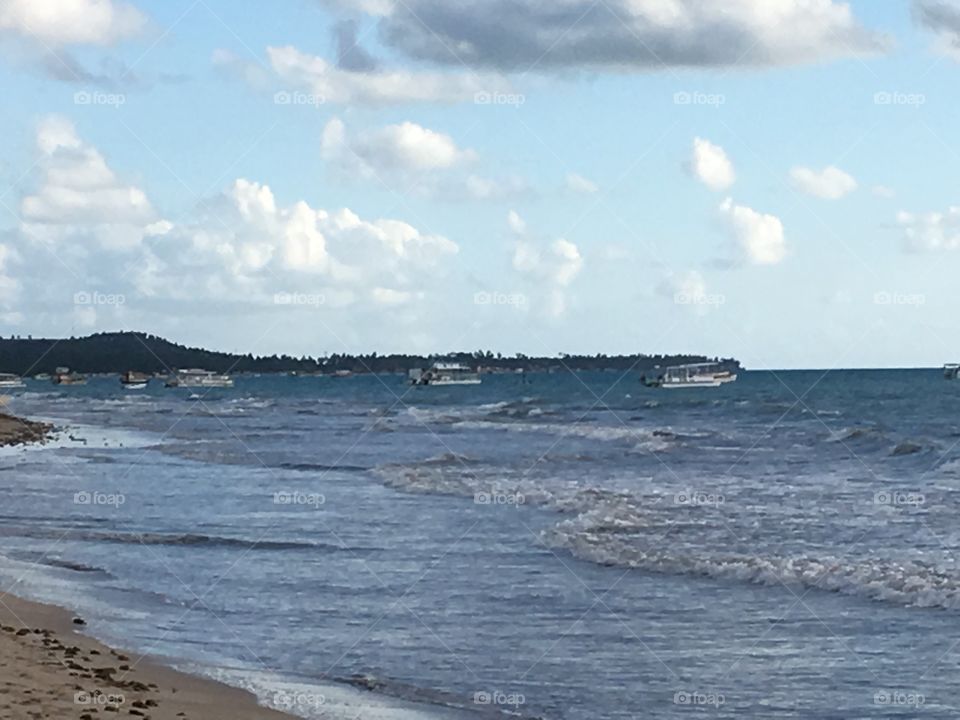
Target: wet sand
{"points": [[48, 669]]}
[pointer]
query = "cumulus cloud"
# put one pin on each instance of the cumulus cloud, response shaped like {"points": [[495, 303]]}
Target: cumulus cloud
{"points": [[760, 237], [71, 22], [79, 188], [406, 147], [831, 183], [409, 158], [931, 231], [83, 229], [711, 166], [552, 267], [627, 34], [345, 86], [943, 18], [579, 184]]}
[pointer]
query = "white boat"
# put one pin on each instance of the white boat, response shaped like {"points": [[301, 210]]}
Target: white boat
{"points": [[951, 371], [64, 376], [692, 375], [199, 379], [443, 373], [9, 381], [134, 380]]}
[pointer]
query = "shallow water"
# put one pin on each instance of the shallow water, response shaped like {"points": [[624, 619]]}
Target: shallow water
{"points": [[575, 546]]}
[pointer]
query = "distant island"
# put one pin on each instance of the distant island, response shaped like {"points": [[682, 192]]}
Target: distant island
{"points": [[119, 352]]}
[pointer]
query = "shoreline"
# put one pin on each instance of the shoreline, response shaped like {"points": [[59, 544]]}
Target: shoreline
{"points": [[50, 669], [15, 431]]}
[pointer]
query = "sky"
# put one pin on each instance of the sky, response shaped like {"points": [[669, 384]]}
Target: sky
{"points": [[773, 180]]}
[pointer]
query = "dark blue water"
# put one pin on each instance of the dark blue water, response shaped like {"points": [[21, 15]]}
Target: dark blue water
{"points": [[574, 546]]}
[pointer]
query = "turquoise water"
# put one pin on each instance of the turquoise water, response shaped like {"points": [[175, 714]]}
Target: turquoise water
{"points": [[573, 546]]}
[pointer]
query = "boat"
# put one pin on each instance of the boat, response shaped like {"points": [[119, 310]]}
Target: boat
{"points": [[64, 376], [134, 380], [692, 375], [951, 371], [199, 379], [445, 373], [9, 381]]}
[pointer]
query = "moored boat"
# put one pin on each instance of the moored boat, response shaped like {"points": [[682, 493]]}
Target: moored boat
{"points": [[9, 381], [951, 371], [195, 378], [134, 380], [445, 373], [692, 375], [65, 376]]}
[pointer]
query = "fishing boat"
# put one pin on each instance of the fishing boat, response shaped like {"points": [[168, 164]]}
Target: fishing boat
{"points": [[134, 380], [445, 373], [64, 376], [951, 371], [9, 381], [199, 379], [692, 375]]}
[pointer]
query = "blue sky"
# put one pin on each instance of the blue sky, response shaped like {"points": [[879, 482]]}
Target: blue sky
{"points": [[773, 180]]}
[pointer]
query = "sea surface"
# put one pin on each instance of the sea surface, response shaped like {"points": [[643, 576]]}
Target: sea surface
{"points": [[562, 546]]}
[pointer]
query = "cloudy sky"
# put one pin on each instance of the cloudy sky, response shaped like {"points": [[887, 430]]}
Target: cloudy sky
{"points": [[770, 179]]}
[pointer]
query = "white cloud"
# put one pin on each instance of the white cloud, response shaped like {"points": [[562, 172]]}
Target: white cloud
{"points": [[71, 22], [377, 87], [517, 224], [831, 183], [79, 188], [760, 237], [943, 18], [711, 166], [552, 267], [882, 191], [406, 147], [409, 158], [627, 34], [931, 231], [370, 7], [579, 184]]}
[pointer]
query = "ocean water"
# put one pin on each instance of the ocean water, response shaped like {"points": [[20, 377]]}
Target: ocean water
{"points": [[563, 546]]}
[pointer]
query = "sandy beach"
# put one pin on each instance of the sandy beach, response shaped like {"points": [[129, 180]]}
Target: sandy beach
{"points": [[49, 669]]}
